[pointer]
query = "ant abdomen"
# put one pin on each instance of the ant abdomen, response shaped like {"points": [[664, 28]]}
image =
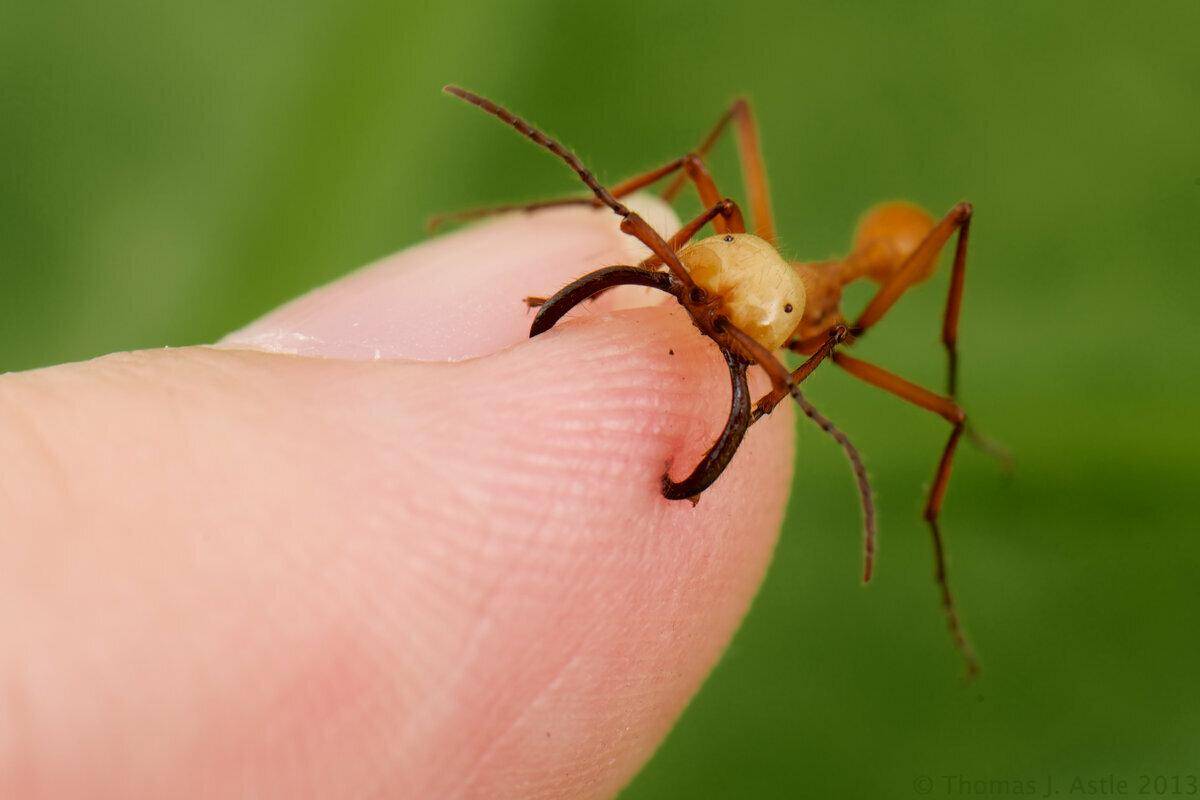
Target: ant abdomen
{"points": [[886, 235]]}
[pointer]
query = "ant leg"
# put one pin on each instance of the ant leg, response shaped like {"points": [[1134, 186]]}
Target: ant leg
{"points": [[952, 413], [950, 342], [959, 218], [750, 154], [914, 266], [622, 189], [726, 208], [631, 223], [954, 305], [767, 404], [693, 169]]}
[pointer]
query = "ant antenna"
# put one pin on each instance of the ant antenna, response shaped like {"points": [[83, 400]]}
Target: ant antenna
{"points": [[525, 129], [860, 476]]}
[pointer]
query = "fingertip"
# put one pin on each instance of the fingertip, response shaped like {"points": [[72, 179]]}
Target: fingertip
{"points": [[458, 295]]}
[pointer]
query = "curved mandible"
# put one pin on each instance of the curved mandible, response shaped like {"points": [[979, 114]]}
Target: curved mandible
{"points": [[593, 283], [721, 453]]}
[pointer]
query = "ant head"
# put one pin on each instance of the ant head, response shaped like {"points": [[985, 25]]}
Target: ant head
{"points": [[885, 236], [763, 294]]}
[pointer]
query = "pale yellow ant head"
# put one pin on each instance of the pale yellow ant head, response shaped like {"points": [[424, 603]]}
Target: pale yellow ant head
{"points": [[763, 294]]}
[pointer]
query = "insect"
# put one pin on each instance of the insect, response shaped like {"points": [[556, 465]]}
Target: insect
{"points": [[744, 296]]}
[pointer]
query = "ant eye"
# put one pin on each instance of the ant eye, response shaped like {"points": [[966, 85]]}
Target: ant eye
{"points": [[729, 237], [787, 309]]}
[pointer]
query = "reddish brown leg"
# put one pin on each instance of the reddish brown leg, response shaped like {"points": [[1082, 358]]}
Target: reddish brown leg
{"points": [[622, 189], [750, 153], [954, 303], [915, 266], [805, 347], [693, 168], [768, 402], [631, 223], [952, 413], [726, 209]]}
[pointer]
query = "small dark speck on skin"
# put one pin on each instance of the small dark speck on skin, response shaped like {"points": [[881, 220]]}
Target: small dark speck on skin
{"points": [[670, 352]]}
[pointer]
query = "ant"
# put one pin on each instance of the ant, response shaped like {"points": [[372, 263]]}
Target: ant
{"points": [[741, 293]]}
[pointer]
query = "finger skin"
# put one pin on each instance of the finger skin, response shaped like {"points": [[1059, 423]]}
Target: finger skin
{"points": [[459, 295], [234, 573]]}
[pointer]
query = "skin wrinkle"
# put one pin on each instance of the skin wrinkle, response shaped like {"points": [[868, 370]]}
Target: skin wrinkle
{"points": [[553, 681], [531, 702], [28, 428], [419, 716], [558, 678], [463, 656]]}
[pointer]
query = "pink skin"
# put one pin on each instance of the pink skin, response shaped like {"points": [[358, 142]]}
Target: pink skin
{"points": [[234, 572]]}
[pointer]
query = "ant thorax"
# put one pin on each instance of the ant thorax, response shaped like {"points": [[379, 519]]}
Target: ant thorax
{"points": [[762, 294], [823, 286]]}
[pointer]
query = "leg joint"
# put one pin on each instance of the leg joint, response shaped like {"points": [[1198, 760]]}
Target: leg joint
{"points": [[693, 165]]}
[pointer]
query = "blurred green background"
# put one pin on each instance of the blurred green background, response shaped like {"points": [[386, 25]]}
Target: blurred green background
{"points": [[170, 171]]}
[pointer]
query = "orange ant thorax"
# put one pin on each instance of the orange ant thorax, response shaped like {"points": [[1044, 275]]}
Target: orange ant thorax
{"points": [[823, 284], [885, 237]]}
